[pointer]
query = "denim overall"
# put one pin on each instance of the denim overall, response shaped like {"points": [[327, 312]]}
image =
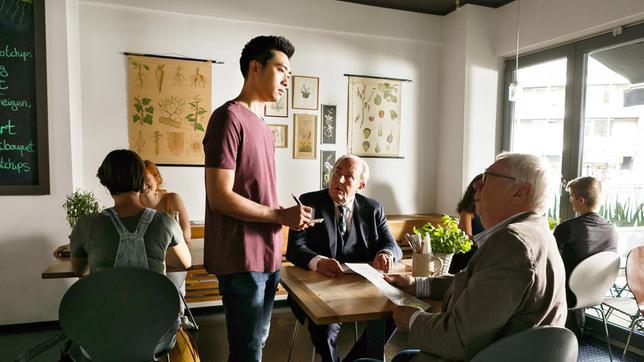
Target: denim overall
{"points": [[131, 251]]}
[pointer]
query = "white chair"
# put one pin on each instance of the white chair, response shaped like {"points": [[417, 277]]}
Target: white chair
{"points": [[590, 280], [635, 282]]}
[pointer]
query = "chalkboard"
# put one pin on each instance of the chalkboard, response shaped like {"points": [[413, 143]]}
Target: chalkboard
{"points": [[24, 156]]}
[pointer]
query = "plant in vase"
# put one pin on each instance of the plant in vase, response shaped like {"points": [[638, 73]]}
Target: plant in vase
{"points": [[447, 239]]}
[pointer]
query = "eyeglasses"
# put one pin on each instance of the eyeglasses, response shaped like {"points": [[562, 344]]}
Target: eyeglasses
{"points": [[488, 173]]}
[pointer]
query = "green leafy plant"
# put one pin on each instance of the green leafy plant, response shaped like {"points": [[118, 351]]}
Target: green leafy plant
{"points": [[446, 238], [79, 204], [552, 222], [623, 214]]}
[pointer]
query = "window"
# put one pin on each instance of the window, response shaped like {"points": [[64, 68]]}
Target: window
{"points": [[581, 106]]}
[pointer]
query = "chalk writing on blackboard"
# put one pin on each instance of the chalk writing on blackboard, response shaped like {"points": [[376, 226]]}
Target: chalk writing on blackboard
{"points": [[23, 124]]}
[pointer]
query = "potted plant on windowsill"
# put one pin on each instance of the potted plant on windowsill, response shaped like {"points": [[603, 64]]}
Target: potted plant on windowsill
{"points": [[446, 239]]}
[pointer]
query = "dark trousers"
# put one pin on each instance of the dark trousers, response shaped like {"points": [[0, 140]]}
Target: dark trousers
{"points": [[575, 322], [324, 337], [248, 306]]}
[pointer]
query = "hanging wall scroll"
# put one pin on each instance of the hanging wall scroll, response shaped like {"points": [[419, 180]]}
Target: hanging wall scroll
{"points": [[168, 108]]}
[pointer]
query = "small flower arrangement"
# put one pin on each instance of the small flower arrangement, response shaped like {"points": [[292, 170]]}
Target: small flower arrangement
{"points": [[79, 204], [446, 238]]}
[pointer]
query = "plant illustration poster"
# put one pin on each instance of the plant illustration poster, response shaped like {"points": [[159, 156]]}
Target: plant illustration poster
{"points": [[168, 108], [327, 161], [328, 124], [305, 92], [374, 117], [304, 136]]}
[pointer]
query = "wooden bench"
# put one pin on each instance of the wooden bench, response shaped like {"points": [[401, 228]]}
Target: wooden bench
{"points": [[202, 286]]}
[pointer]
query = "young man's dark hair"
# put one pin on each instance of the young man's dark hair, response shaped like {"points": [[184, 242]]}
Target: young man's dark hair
{"points": [[122, 171], [261, 49]]}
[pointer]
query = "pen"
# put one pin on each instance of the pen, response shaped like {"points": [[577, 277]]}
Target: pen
{"points": [[297, 201]]}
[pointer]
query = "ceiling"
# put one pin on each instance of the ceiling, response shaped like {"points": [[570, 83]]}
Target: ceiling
{"points": [[435, 7]]}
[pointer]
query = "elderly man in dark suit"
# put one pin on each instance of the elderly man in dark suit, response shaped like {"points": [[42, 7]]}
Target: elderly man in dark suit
{"points": [[354, 229], [515, 281]]}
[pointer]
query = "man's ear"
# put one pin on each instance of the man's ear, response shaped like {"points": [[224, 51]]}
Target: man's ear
{"points": [[523, 191], [254, 66], [362, 185], [581, 200]]}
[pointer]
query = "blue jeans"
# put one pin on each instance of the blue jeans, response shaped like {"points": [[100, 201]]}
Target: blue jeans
{"points": [[248, 305]]}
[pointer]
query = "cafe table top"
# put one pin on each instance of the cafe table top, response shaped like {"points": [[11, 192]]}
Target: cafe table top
{"points": [[347, 297], [62, 268]]}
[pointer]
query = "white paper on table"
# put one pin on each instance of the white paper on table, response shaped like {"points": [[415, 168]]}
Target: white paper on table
{"points": [[392, 293]]}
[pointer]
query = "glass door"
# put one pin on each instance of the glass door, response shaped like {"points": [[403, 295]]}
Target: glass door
{"points": [[613, 132]]}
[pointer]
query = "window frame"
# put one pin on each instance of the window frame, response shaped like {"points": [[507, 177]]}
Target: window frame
{"points": [[576, 68]]}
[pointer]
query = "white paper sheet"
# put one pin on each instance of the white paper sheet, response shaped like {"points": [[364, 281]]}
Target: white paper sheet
{"points": [[392, 293]]}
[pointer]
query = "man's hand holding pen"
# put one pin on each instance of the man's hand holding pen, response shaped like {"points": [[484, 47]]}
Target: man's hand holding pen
{"points": [[297, 217]]}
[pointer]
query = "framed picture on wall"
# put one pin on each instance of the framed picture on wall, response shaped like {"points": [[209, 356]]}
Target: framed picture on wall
{"points": [[327, 160], [277, 109], [280, 134], [305, 92], [328, 123], [304, 136]]}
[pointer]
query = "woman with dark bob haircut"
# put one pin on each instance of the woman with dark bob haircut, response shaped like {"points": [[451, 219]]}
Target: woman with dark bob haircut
{"points": [[109, 239]]}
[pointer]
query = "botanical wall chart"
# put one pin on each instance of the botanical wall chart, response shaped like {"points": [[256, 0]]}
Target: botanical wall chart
{"points": [[374, 117], [168, 108]]}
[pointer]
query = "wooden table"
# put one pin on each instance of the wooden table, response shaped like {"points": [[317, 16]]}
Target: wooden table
{"points": [[62, 268], [345, 298]]}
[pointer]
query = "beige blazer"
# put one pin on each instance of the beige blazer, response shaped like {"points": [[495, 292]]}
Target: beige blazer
{"points": [[515, 281]]}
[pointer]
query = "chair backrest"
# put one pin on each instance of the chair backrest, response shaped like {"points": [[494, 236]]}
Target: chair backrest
{"points": [[592, 277], [120, 314], [635, 275], [552, 344]]}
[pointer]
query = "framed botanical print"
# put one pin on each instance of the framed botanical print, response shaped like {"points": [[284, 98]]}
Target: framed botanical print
{"points": [[304, 136], [305, 92], [327, 161], [277, 109], [280, 134], [328, 122]]}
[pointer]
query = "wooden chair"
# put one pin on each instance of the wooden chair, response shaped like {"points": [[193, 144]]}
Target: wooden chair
{"points": [[547, 343], [121, 314], [590, 280]]}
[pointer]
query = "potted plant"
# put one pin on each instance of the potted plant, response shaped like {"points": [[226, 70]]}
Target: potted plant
{"points": [[446, 239], [77, 204], [80, 203]]}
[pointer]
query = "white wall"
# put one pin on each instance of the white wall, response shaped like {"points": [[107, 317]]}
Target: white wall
{"points": [[404, 186], [545, 23], [32, 226], [469, 87]]}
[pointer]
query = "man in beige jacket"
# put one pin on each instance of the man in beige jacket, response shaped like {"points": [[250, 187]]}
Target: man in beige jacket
{"points": [[515, 281]]}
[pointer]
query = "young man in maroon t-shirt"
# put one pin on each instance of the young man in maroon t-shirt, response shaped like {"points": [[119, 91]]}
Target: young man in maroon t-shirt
{"points": [[243, 243]]}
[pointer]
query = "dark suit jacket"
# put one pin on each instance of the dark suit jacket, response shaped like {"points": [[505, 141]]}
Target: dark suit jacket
{"points": [[515, 281], [372, 232]]}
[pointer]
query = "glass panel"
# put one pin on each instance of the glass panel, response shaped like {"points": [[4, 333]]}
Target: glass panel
{"points": [[613, 150], [538, 116]]}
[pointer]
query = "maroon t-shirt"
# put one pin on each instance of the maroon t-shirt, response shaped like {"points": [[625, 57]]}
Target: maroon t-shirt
{"points": [[236, 139]]}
